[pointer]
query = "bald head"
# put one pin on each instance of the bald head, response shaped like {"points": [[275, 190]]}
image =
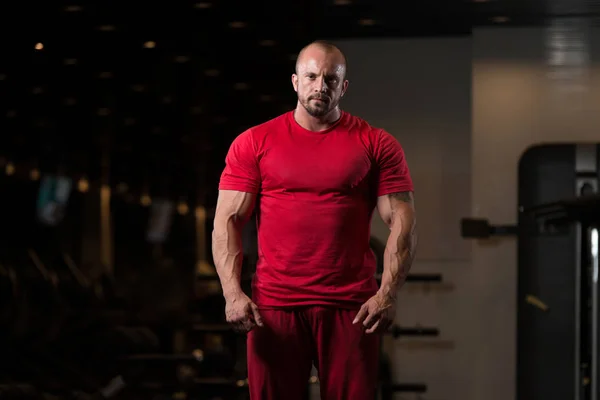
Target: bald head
{"points": [[321, 50], [320, 78]]}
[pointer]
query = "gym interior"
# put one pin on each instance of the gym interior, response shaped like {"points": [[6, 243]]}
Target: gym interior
{"points": [[116, 119]]}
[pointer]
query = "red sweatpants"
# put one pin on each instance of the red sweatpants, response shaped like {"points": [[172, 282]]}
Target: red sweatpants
{"points": [[282, 352]]}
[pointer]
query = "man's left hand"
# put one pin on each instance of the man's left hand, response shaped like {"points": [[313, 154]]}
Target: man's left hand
{"points": [[377, 314]]}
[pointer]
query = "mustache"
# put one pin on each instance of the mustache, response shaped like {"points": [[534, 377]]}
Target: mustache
{"points": [[319, 97]]}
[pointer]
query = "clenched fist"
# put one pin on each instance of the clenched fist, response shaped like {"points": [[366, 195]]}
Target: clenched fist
{"points": [[242, 313]]}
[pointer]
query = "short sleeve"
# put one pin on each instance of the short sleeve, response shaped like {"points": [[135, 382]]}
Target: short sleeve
{"points": [[241, 171], [393, 174]]}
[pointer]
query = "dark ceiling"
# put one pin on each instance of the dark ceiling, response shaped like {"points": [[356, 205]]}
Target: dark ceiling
{"points": [[158, 90]]}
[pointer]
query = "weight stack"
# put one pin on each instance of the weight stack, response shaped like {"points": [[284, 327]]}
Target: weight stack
{"points": [[553, 318]]}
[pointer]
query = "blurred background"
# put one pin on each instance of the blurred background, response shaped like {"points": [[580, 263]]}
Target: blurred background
{"points": [[115, 118]]}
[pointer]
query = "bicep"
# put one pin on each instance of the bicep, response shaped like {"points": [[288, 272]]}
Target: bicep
{"points": [[396, 205], [234, 206]]}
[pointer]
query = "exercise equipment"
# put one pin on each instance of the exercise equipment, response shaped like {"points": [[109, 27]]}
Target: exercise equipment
{"points": [[387, 386], [558, 305], [480, 228], [397, 331], [39, 300], [137, 373], [581, 215]]}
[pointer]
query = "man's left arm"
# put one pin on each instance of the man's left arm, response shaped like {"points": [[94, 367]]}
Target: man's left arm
{"points": [[395, 203], [397, 210]]}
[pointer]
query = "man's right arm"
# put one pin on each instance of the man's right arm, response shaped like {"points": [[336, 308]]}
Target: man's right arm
{"points": [[234, 208]]}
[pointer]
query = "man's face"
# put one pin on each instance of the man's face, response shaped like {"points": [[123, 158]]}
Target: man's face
{"points": [[319, 81]]}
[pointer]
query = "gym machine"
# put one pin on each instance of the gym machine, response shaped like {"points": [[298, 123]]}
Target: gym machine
{"points": [[558, 295]]}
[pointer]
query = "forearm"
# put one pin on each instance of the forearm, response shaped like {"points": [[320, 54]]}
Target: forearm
{"points": [[228, 255], [399, 254]]}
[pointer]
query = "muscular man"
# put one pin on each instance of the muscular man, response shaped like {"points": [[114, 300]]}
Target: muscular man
{"points": [[316, 174]]}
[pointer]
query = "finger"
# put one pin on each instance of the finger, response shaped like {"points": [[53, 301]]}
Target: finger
{"points": [[374, 328], [248, 325], [256, 314], [362, 313], [240, 324], [236, 319], [383, 326], [244, 325], [371, 319]]}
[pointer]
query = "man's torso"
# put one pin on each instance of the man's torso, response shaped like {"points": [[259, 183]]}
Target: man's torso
{"points": [[314, 211]]}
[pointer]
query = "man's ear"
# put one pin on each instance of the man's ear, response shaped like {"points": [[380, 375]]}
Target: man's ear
{"points": [[345, 87], [295, 82]]}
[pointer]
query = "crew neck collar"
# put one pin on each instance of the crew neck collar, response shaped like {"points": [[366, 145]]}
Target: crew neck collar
{"points": [[295, 124]]}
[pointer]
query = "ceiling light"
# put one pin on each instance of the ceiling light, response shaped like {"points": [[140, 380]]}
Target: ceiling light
{"points": [[73, 8], [9, 169], [34, 174], [203, 5], [39, 46], [500, 19], [145, 200], [149, 44], [183, 208], [237, 25], [83, 185], [341, 2]]}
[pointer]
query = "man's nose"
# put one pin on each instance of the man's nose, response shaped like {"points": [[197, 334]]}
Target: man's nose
{"points": [[321, 85]]}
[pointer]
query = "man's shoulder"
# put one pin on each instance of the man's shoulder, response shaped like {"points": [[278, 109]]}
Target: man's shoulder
{"points": [[366, 130], [268, 126], [255, 135], [374, 137]]}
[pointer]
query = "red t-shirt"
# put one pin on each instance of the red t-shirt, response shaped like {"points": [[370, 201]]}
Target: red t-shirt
{"points": [[316, 195]]}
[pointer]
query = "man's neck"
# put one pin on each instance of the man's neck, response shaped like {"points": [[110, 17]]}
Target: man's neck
{"points": [[316, 124]]}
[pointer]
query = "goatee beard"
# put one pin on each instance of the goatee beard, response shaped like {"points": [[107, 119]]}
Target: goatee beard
{"points": [[316, 112]]}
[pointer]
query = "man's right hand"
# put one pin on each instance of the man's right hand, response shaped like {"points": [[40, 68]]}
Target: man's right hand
{"points": [[242, 313]]}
